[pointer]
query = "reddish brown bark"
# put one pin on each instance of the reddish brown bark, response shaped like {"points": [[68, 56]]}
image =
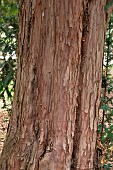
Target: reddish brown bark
{"points": [[94, 27], [60, 45]]}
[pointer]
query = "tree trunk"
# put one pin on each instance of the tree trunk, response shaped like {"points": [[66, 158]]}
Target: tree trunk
{"points": [[94, 27], [55, 110]]}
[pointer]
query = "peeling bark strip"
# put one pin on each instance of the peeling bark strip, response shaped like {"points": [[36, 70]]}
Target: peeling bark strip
{"points": [[55, 109]]}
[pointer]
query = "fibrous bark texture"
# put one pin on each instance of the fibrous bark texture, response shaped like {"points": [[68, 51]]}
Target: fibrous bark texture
{"points": [[55, 110], [94, 26]]}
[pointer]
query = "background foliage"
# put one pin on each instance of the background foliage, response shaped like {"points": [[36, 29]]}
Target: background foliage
{"points": [[8, 45], [105, 128]]}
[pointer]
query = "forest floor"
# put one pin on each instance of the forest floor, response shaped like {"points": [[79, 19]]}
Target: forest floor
{"points": [[4, 119]]}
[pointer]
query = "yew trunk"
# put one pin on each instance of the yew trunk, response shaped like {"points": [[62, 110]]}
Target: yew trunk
{"points": [[55, 110]]}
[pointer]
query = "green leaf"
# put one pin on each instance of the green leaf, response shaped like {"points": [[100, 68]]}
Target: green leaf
{"points": [[7, 79], [104, 107], [109, 5], [107, 166]]}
